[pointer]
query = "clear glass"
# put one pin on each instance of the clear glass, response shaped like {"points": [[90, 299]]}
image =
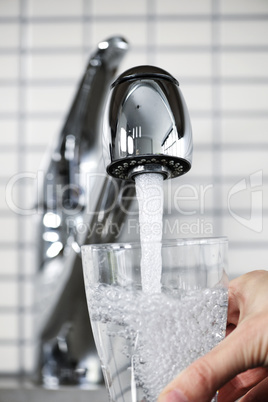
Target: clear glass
{"points": [[144, 340]]}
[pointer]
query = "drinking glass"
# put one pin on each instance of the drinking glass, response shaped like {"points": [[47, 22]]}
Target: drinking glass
{"points": [[144, 339]]}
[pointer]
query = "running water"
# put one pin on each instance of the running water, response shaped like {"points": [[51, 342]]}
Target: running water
{"points": [[145, 340], [149, 189], [146, 337]]}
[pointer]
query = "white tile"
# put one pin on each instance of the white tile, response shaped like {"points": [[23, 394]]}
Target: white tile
{"points": [[244, 6], [9, 163], [245, 130], [243, 164], [9, 293], [43, 66], [42, 131], [9, 35], [118, 7], [9, 99], [8, 229], [134, 32], [244, 33], [9, 67], [51, 35], [8, 326], [30, 255], [55, 8], [9, 361], [246, 260], [35, 161], [29, 228], [9, 261], [24, 193], [27, 287], [202, 163], [241, 201], [188, 199], [29, 358], [8, 131], [187, 64], [244, 97], [183, 7], [241, 64], [49, 99], [182, 226], [133, 59], [197, 97], [3, 200], [183, 33], [238, 230], [202, 130], [9, 8]]}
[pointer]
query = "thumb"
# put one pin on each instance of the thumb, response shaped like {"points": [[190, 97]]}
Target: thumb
{"points": [[201, 380]]}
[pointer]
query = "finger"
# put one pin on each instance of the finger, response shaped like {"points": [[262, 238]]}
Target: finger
{"points": [[241, 384], [230, 328], [203, 378], [247, 294], [234, 302], [258, 393]]}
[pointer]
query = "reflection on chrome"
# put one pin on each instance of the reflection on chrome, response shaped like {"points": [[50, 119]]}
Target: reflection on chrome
{"points": [[75, 178], [54, 249], [51, 220]]}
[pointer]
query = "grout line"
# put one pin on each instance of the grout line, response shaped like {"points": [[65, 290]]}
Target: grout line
{"points": [[137, 18], [87, 29], [233, 114], [200, 147], [217, 210], [13, 342], [141, 48], [21, 167], [216, 115], [151, 37], [202, 80]]}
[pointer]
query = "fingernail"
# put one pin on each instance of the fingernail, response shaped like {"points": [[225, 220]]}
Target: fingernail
{"points": [[174, 396]]}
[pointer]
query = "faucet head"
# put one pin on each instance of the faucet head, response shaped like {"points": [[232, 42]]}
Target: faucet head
{"points": [[149, 128]]}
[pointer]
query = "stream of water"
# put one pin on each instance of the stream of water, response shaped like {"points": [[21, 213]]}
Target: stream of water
{"points": [[149, 189]]}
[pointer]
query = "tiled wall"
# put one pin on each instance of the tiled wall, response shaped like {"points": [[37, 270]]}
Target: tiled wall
{"points": [[217, 49]]}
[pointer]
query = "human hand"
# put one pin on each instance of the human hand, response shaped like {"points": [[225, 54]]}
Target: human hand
{"points": [[237, 366]]}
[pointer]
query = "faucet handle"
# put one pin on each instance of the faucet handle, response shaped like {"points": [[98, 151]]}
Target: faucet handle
{"points": [[149, 128]]}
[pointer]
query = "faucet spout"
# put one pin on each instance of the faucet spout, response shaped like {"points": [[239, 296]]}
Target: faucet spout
{"points": [[149, 128], [65, 186], [74, 183]]}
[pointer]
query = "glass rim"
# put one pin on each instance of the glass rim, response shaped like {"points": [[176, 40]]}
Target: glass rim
{"points": [[165, 243]]}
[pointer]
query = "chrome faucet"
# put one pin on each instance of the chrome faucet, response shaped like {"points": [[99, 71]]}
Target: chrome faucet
{"points": [[75, 186], [149, 125], [146, 128]]}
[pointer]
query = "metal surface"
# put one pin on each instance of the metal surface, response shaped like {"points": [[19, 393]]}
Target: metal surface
{"points": [[149, 128], [75, 188], [22, 391]]}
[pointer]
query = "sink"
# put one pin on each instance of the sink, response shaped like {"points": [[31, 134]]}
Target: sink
{"points": [[12, 390]]}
